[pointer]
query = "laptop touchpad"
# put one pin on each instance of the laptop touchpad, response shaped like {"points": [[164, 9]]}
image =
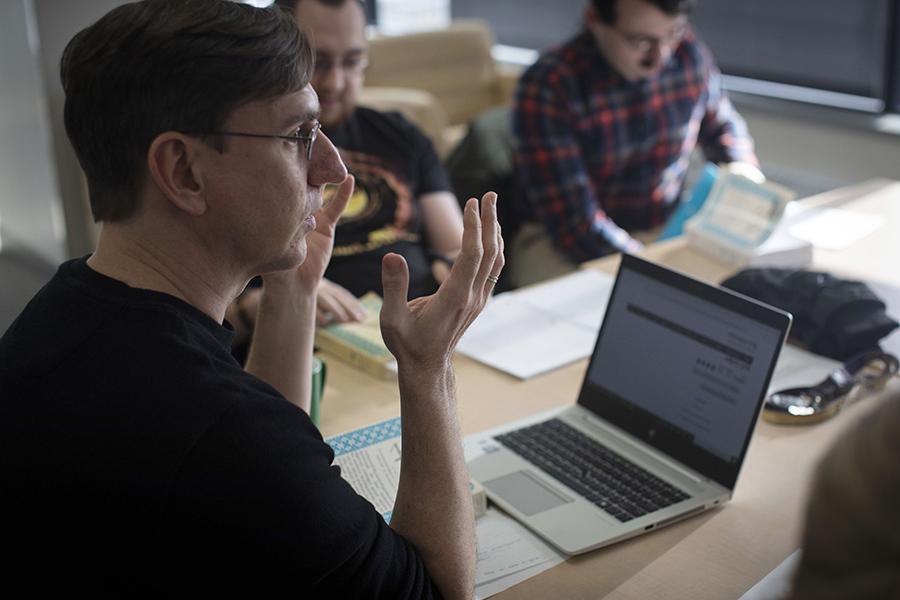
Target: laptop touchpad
{"points": [[528, 494]]}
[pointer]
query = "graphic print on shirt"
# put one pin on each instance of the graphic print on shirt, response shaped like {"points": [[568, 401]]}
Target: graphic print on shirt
{"points": [[381, 211]]}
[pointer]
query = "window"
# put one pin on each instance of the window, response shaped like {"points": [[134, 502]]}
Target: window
{"points": [[838, 52], [831, 45]]}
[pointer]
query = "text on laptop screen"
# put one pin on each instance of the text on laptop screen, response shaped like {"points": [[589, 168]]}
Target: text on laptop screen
{"points": [[692, 368]]}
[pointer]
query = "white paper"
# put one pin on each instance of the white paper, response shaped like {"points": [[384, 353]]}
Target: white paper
{"points": [[582, 292], [777, 584], [369, 459], [799, 368], [508, 554], [835, 229], [374, 473], [890, 295], [541, 328]]}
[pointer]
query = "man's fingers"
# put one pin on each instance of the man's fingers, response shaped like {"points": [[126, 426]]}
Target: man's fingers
{"points": [[338, 312], [339, 201], [497, 266], [349, 303], [395, 281], [490, 231], [465, 267], [323, 317], [335, 303]]}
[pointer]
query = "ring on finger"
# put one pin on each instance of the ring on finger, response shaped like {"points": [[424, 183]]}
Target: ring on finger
{"points": [[493, 279]]}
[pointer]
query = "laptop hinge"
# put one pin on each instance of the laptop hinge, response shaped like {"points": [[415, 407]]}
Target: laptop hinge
{"points": [[630, 440]]}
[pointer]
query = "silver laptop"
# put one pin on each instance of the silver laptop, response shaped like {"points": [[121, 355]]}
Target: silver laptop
{"points": [[663, 420]]}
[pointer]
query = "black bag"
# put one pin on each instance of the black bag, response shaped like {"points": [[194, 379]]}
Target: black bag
{"points": [[832, 317]]}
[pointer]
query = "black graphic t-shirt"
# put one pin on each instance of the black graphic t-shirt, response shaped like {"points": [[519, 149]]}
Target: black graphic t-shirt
{"points": [[394, 164]]}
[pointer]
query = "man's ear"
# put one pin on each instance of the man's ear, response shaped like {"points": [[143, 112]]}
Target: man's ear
{"points": [[172, 162]]}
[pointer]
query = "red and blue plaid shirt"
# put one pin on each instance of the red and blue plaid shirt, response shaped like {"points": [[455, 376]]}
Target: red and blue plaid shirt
{"points": [[598, 156]]}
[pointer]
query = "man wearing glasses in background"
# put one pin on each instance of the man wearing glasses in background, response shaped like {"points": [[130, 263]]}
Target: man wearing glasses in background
{"points": [[138, 457], [402, 201], [604, 127]]}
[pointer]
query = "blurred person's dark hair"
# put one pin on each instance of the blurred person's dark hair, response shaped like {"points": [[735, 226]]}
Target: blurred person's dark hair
{"points": [[851, 541], [606, 9], [290, 5], [169, 65]]}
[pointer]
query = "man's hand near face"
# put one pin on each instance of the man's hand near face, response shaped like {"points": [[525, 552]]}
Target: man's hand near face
{"points": [[319, 243], [281, 352]]}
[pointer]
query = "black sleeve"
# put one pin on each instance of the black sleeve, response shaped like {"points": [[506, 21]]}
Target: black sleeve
{"points": [[259, 495]]}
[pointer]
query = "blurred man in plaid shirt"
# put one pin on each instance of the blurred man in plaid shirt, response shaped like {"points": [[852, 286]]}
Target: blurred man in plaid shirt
{"points": [[604, 127]]}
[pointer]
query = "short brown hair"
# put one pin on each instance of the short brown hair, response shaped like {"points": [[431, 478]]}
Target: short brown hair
{"points": [[606, 9], [168, 65], [291, 5]]}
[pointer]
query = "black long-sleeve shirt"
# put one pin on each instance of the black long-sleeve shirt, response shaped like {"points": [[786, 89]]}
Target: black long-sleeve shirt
{"points": [[136, 454]]}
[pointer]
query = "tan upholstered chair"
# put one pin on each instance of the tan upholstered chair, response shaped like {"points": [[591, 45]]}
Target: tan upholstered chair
{"points": [[453, 71]]}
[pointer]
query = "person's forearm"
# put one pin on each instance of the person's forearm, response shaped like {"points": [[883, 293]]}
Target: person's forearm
{"points": [[723, 133], [433, 509], [443, 223], [447, 250], [582, 231], [574, 220], [282, 346]]}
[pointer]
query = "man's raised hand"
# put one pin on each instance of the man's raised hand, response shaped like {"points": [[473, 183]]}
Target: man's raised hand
{"points": [[424, 331]]}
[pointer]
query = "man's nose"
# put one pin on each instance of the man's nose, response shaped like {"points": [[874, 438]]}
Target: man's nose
{"points": [[326, 165]]}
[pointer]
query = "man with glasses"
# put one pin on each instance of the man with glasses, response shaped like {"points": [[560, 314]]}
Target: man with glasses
{"points": [[138, 457], [604, 127], [402, 201]]}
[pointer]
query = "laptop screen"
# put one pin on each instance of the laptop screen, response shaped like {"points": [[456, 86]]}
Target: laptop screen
{"points": [[684, 366]]}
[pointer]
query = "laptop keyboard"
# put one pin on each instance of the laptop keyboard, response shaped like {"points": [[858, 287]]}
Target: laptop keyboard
{"points": [[618, 486]]}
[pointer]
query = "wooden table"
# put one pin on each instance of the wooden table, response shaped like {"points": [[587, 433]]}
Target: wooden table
{"points": [[723, 552]]}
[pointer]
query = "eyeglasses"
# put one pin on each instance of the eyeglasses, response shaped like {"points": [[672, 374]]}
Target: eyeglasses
{"points": [[643, 43], [307, 137], [354, 64]]}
